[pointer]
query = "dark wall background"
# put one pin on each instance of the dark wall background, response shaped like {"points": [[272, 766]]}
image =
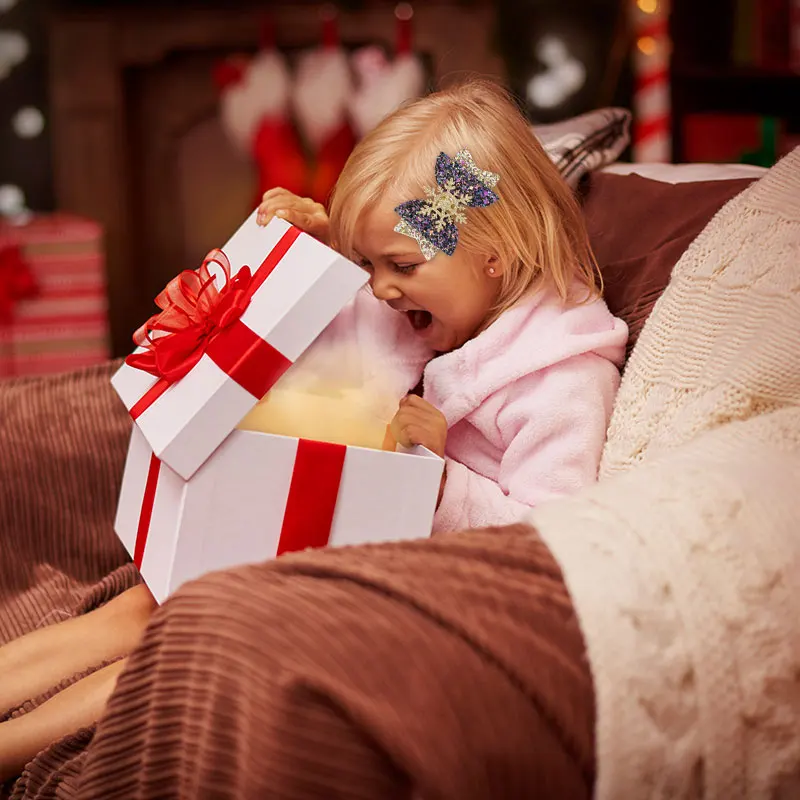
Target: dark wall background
{"points": [[589, 28], [593, 32], [26, 162]]}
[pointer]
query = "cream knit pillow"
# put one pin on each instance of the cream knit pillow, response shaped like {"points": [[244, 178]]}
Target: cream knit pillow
{"points": [[683, 562]]}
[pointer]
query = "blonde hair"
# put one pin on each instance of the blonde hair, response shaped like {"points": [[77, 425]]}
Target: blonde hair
{"points": [[536, 229]]}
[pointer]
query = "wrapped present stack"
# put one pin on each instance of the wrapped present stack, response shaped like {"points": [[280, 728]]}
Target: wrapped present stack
{"points": [[236, 456], [53, 307]]}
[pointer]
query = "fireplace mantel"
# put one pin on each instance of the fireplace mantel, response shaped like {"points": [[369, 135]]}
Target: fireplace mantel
{"points": [[128, 83]]}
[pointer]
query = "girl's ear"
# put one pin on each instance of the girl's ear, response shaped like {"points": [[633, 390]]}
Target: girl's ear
{"points": [[493, 267]]}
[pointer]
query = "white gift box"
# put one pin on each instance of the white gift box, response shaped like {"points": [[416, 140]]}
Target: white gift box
{"points": [[260, 495], [305, 285], [199, 495]]}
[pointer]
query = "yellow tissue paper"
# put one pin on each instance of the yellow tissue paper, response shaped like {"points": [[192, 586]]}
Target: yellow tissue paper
{"points": [[326, 397]]}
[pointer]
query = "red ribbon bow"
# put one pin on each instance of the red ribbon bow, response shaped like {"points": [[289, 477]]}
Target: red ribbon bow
{"points": [[194, 312], [16, 281], [199, 318]]}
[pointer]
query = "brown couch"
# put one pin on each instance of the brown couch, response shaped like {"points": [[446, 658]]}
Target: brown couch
{"points": [[451, 667]]}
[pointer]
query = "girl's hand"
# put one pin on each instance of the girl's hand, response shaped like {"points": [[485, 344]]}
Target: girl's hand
{"points": [[418, 422], [302, 212]]}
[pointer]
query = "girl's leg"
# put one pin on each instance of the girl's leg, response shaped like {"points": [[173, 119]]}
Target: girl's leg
{"points": [[78, 706], [33, 663]]}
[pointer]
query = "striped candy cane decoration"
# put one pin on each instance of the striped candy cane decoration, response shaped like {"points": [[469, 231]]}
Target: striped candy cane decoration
{"points": [[652, 139]]}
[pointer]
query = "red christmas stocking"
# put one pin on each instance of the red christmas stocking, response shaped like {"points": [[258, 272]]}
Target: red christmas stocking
{"points": [[331, 157], [254, 107], [322, 85], [279, 157]]}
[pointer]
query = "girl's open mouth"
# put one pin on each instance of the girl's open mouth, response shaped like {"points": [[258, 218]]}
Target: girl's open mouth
{"points": [[419, 319]]}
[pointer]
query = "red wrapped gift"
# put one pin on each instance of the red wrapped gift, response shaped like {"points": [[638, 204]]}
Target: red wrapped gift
{"points": [[53, 306]]}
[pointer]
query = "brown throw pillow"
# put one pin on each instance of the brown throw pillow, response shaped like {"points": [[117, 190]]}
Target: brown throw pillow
{"points": [[639, 228]]}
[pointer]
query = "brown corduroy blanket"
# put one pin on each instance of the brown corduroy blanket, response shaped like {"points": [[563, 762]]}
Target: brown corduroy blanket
{"points": [[446, 668]]}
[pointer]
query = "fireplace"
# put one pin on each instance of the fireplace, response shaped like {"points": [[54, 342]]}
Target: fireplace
{"points": [[137, 143]]}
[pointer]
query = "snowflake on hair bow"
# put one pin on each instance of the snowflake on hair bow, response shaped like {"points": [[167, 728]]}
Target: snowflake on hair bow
{"points": [[460, 184]]}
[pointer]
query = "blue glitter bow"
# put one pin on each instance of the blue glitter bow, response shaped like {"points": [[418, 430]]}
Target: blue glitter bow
{"points": [[460, 184]]}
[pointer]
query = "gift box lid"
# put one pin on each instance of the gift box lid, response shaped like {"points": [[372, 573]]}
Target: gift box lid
{"points": [[275, 289]]}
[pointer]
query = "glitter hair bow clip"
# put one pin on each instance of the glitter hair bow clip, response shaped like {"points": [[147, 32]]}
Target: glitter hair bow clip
{"points": [[459, 185]]}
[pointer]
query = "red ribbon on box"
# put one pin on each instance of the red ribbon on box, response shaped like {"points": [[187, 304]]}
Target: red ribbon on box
{"points": [[16, 281], [308, 517], [146, 512], [198, 318]]}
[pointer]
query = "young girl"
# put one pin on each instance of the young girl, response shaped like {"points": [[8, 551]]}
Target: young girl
{"points": [[482, 284], [482, 296]]}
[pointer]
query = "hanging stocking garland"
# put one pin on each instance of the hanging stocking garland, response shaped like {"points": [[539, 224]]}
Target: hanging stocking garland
{"points": [[322, 86], [254, 108], [384, 86]]}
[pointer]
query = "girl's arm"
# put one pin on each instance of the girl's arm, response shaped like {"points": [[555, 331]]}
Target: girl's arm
{"points": [[554, 425]]}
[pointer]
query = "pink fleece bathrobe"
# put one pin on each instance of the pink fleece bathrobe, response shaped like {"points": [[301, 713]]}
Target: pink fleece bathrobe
{"points": [[527, 401]]}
